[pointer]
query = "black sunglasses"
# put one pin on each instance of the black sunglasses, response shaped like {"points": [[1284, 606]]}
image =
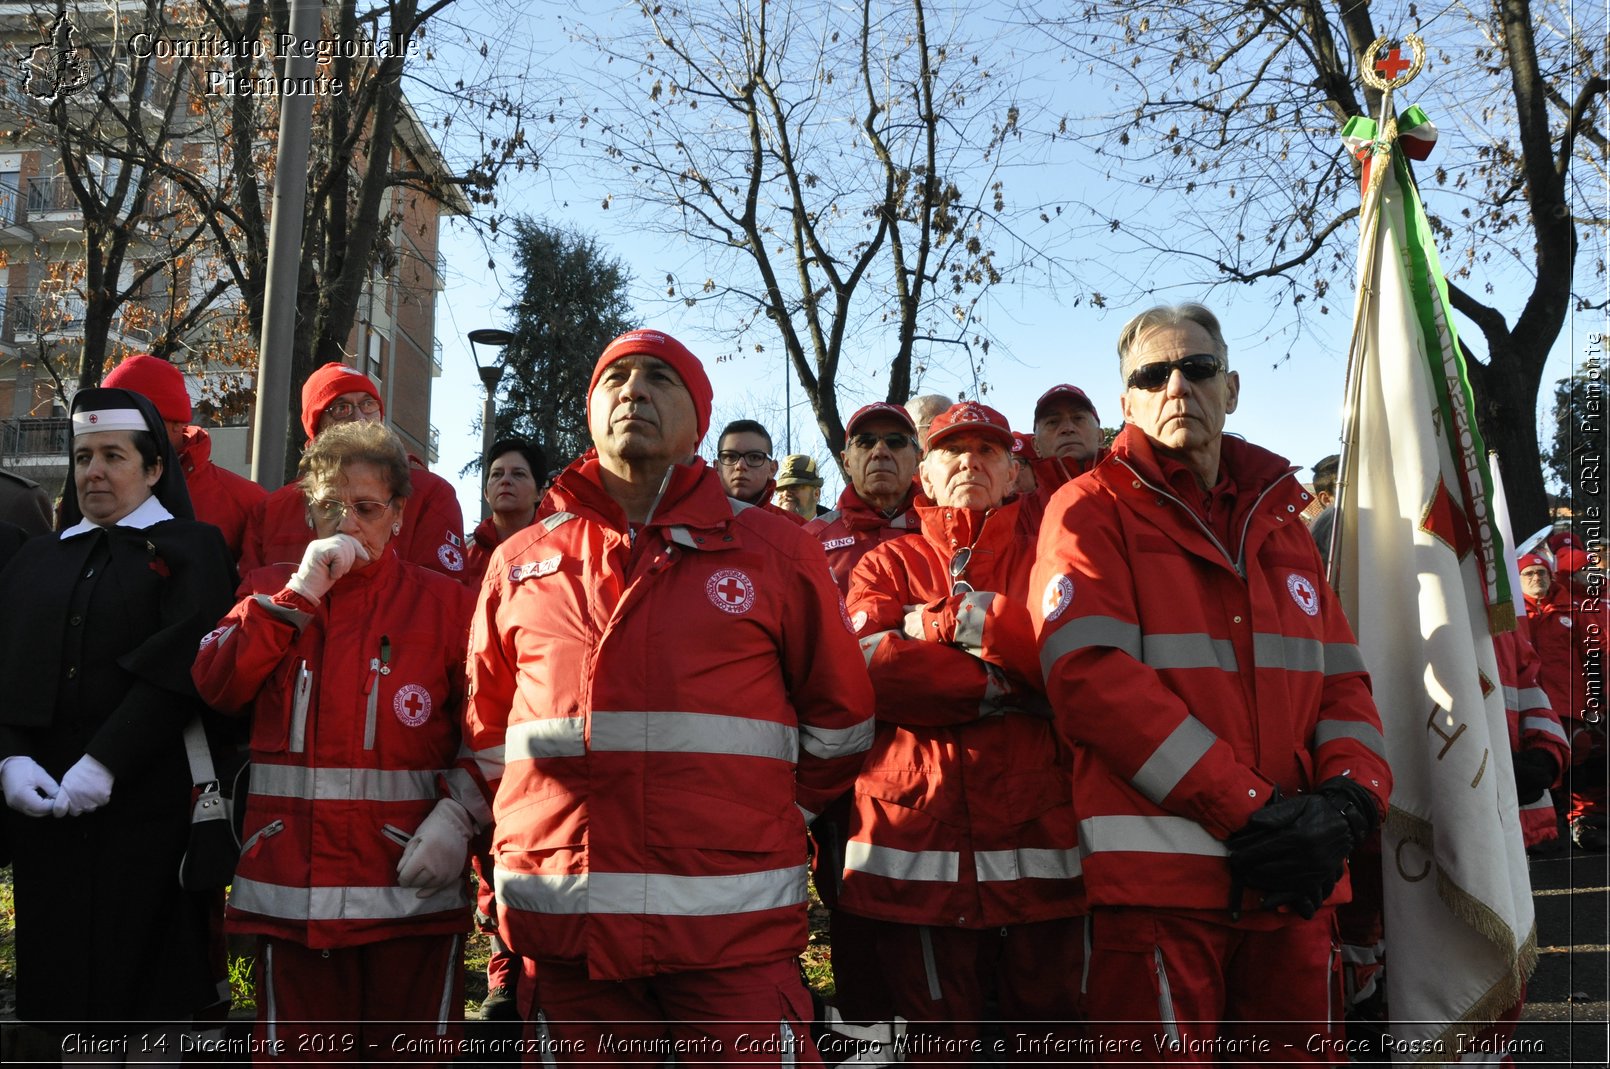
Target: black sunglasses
{"points": [[894, 440], [1198, 367], [958, 568]]}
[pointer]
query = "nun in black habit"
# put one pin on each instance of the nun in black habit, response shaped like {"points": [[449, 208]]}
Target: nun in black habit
{"points": [[98, 628]]}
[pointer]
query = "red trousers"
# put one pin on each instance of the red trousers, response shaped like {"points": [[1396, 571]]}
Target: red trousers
{"points": [[399, 1000], [941, 979], [758, 1014], [1176, 989]]}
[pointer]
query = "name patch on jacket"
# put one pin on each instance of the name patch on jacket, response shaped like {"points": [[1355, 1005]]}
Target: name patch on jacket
{"points": [[535, 569], [839, 543]]}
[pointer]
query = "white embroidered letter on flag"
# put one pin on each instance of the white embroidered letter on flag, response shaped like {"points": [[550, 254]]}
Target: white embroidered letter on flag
{"points": [[1415, 510]]}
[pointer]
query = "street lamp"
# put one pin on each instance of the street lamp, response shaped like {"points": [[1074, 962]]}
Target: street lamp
{"points": [[490, 374]]}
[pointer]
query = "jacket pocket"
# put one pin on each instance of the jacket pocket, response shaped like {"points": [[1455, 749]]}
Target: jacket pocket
{"points": [[261, 835]]}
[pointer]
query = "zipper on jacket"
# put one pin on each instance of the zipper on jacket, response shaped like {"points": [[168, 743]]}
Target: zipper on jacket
{"points": [[299, 703], [371, 692], [395, 834], [1239, 563], [267, 831]]}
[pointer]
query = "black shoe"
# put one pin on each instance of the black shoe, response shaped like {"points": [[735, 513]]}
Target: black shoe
{"points": [[500, 1004], [1588, 832]]}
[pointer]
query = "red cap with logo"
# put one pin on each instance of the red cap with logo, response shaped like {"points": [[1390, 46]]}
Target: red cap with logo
{"points": [[970, 416], [1068, 392], [881, 408], [1023, 446], [662, 347], [1532, 560], [1569, 560]]}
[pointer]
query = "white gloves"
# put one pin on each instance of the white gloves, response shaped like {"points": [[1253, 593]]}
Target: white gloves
{"points": [[28, 788], [85, 788], [435, 856], [325, 561]]}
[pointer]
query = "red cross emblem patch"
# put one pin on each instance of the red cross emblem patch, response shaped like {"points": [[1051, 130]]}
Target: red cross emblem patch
{"points": [[411, 704], [1057, 597], [1303, 593], [451, 558], [731, 591], [94, 417]]}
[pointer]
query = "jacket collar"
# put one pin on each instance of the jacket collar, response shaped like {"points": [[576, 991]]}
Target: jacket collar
{"points": [[1253, 468], [196, 449], [691, 497], [146, 514], [858, 513]]}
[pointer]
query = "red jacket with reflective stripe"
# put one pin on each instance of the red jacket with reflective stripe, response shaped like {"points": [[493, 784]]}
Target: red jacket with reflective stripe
{"points": [[649, 710], [1533, 725], [1565, 645], [1192, 677], [356, 711], [963, 810], [432, 534], [850, 530], [219, 496]]}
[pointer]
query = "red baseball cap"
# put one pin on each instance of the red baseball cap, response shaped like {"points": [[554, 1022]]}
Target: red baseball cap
{"points": [[663, 347], [1569, 560], [1023, 446], [971, 416], [881, 408], [1065, 391]]}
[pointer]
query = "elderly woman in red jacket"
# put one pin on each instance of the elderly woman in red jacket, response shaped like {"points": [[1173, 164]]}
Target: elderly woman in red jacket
{"points": [[361, 805]]}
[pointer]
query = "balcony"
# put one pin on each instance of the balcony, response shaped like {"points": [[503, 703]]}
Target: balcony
{"points": [[436, 358], [432, 448], [34, 440], [51, 196], [28, 317]]}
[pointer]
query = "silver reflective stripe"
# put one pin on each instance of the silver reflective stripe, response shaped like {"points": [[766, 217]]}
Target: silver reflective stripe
{"points": [[531, 740], [1147, 835], [544, 1040], [299, 702], [933, 866], [557, 519], [828, 743], [1343, 658], [490, 761], [996, 698], [1193, 650], [272, 1013], [1288, 652], [1165, 1001], [658, 894], [930, 969], [1085, 631], [785, 1035], [1534, 698], [295, 617], [342, 903], [810, 818], [444, 1008], [1512, 698], [1173, 759], [1084, 967], [1545, 725], [1368, 735], [1026, 863], [869, 644], [343, 784], [970, 616], [681, 536], [463, 789], [632, 732]]}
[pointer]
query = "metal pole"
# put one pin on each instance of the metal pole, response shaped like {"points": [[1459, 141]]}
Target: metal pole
{"points": [[489, 415], [271, 422]]}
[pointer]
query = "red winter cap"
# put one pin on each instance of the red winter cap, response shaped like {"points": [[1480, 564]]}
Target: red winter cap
{"points": [[969, 416], [1064, 391], [664, 347], [1569, 560], [1562, 540], [1532, 560], [155, 379], [880, 408], [325, 385], [1023, 446]]}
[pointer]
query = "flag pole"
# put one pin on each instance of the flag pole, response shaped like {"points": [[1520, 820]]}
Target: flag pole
{"points": [[1375, 167]]}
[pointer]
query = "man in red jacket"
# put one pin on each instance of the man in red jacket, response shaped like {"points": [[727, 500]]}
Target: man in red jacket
{"points": [[220, 497], [963, 848], [880, 458], [279, 528], [1228, 755], [664, 692]]}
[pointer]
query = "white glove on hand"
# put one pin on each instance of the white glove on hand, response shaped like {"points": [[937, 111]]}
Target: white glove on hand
{"points": [[324, 561], [28, 788], [85, 788], [437, 853]]}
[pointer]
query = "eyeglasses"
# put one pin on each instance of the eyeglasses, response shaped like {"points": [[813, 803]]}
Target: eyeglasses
{"points": [[727, 458], [1198, 367], [958, 567], [335, 511], [894, 441], [343, 410]]}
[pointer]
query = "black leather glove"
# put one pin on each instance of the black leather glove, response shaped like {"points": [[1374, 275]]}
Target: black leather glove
{"points": [[1535, 772], [1294, 846], [1304, 901]]}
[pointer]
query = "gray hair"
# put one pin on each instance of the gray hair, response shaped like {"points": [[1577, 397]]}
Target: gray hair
{"points": [[1172, 315]]}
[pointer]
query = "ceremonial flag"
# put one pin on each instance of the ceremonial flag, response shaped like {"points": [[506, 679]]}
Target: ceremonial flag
{"points": [[1417, 561]]}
